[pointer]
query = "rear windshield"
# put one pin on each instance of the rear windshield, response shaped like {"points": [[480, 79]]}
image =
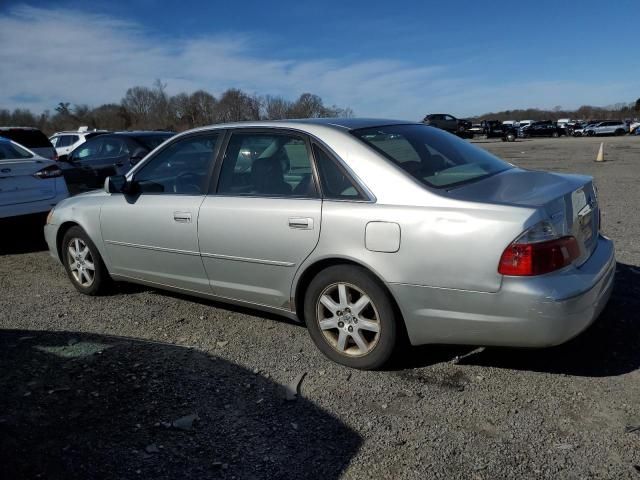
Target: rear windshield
{"points": [[11, 151], [27, 137], [152, 141], [434, 157]]}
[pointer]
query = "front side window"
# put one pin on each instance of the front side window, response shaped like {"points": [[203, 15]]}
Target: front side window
{"points": [[180, 168], [431, 156], [265, 164], [88, 150]]}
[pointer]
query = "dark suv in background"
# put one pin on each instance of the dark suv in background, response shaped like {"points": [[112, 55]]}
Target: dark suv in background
{"points": [[86, 167], [447, 122], [32, 138]]}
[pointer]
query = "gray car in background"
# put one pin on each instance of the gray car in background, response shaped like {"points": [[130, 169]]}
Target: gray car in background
{"points": [[364, 229]]}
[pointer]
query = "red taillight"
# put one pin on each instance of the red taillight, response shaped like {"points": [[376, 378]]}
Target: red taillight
{"points": [[525, 259], [51, 171]]}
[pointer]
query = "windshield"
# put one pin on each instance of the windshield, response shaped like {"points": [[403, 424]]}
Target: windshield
{"points": [[11, 151], [435, 158]]}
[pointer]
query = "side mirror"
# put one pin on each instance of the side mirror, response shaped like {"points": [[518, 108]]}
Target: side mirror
{"points": [[115, 184]]}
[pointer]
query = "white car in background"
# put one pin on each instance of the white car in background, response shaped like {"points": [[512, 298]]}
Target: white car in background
{"points": [[28, 183], [610, 127], [66, 142]]}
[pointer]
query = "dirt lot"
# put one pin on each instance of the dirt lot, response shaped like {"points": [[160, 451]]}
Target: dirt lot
{"points": [[99, 387]]}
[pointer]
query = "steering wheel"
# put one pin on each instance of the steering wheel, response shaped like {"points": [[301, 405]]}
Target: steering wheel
{"points": [[187, 182]]}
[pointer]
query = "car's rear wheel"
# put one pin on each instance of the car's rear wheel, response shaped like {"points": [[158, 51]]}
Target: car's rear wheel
{"points": [[350, 317], [511, 137], [555, 134], [83, 263], [619, 132]]}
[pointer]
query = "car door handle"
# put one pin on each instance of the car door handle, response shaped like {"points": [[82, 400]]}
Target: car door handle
{"points": [[182, 217], [301, 223]]}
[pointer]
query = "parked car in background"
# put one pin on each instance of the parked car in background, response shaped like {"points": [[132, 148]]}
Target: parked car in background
{"points": [[31, 138], [497, 129], [29, 183], [363, 229], [66, 142], [447, 122], [543, 129], [633, 128], [581, 128], [86, 167], [610, 127], [525, 123]]}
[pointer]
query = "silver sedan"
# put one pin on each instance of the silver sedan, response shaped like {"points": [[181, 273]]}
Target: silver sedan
{"points": [[366, 230]]}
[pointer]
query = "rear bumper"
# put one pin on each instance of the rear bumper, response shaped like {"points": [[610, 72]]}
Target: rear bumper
{"points": [[525, 312]]}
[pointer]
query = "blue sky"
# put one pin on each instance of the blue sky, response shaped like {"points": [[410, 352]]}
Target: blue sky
{"points": [[381, 58]]}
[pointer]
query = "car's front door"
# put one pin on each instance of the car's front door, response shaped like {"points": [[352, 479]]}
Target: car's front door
{"points": [[263, 217], [151, 234]]}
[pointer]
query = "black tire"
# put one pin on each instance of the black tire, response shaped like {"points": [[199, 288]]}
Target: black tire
{"points": [[511, 137], [555, 134], [379, 345], [619, 132], [100, 280]]}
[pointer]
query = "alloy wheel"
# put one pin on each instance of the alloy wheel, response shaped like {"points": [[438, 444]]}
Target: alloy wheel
{"points": [[348, 319], [81, 262]]}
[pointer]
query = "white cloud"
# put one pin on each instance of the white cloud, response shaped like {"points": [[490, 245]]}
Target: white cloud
{"points": [[50, 55]]}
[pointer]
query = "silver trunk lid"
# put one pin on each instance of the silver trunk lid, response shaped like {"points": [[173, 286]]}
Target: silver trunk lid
{"points": [[569, 201]]}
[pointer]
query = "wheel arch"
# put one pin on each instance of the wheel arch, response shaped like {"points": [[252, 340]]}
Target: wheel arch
{"points": [[62, 230], [310, 271]]}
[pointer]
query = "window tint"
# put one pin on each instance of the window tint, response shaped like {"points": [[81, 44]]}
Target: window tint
{"points": [[73, 139], [266, 164], [430, 155], [27, 137], [335, 183], [113, 147], [152, 141], [88, 149], [63, 141], [180, 168], [9, 151]]}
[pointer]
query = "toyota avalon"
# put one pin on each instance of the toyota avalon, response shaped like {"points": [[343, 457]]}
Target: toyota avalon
{"points": [[365, 230]]}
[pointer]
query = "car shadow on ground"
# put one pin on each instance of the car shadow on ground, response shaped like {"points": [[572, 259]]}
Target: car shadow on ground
{"points": [[611, 346], [22, 234], [75, 405]]}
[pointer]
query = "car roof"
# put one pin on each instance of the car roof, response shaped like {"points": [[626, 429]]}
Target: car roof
{"points": [[140, 133], [342, 124]]}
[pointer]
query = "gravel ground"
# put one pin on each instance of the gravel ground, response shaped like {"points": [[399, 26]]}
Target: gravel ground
{"points": [[100, 387]]}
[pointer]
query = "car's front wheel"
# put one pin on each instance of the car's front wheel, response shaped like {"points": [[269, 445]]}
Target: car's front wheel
{"points": [[83, 262], [350, 317]]}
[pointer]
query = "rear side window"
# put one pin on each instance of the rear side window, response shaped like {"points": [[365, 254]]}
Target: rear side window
{"points": [[9, 151], [27, 137], [335, 182]]}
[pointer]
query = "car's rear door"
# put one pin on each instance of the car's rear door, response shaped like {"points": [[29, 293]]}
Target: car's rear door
{"points": [[152, 234], [262, 218]]}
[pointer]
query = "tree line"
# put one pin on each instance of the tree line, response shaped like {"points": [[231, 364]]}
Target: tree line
{"points": [[618, 111], [152, 108]]}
